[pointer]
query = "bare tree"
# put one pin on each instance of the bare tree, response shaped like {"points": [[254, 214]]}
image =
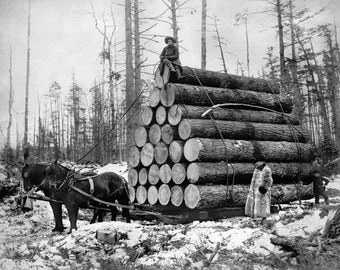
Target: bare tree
{"points": [[220, 44], [243, 18], [10, 101], [204, 35]]}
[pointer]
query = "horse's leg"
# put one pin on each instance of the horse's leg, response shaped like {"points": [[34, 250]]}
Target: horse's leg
{"points": [[114, 212], [100, 215], [72, 210], [57, 214], [126, 214], [95, 215]]}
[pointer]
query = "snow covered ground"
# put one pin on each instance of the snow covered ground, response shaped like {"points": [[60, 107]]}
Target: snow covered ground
{"points": [[26, 240]]}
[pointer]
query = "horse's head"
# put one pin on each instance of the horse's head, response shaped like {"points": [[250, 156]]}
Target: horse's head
{"points": [[33, 174], [55, 175]]}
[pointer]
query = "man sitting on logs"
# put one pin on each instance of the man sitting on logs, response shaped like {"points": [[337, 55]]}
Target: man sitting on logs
{"points": [[170, 57], [258, 200]]}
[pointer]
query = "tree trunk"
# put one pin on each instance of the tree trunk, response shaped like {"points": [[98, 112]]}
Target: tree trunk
{"points": [[141, 194], [204, 35], [169, 133], [177, 113], [153, 175], [165, 173], [176, 151], [197, 95], [147, 154], [189, 128], [133, 177], [10, 105], [134, 156], [140, 136], [174, 19], [178, 173], [196, 196], [161, 153], [246, 151], [155, 134], [161, 115], [216, 79], [143, 176], [283, 72], [154, 97], [152, 195], [223, 173], [147, 116], [164, 194], [177, 195]]}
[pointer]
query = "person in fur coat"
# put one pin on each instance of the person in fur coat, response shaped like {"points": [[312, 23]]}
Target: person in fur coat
{"points": [[258, 200]]}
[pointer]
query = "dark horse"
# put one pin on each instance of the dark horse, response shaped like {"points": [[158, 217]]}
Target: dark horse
{"points": [[108, 187]]}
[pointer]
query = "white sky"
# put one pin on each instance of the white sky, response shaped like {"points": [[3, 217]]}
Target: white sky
{"points": [[64, 40]]}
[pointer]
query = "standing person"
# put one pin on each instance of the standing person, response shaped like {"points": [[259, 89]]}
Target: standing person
{"points": [[319, 186], [170, 57], [258, 200]]}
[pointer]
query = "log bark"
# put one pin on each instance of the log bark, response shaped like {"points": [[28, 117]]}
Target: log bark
{"points": [[177, 113], [155, 134], [143, 176], [211, 150], [161, 153], [169, 133], [154, 97], [140, 136], [165, 173], [134, 156], [218, 79], [153, 175], [133, 177], [132, 194], [147, 154], [216, 173], [152, 195], [141, 194], [176, 151], [164, 194], [198, 196], [197, 95], [147, 116], [178, 173], [161, 115], [204, 128], [177, 195]]}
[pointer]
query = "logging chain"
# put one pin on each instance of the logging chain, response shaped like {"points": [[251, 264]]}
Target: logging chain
{"points": [[225, 146]]}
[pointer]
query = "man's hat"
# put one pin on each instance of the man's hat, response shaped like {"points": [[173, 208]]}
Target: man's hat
{"points": [[167, 38]]}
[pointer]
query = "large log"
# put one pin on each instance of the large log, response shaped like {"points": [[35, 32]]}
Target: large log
{"points": [[198, 196], [178, 173], [177, 195], [216, 173], [147, 116], [143, 176], [147, 154], [212, 150], [132, 177], [206, 128], [155, 134], [152, 195], [205, 96], [169, 133], [134, 156], [140, 136], [176, 151], [141, 194], [132, 194], [178, 112], [154, 97], [161, 153], [161, 115], [196, 76], [164, 194], [153, 175], [165, 173]]}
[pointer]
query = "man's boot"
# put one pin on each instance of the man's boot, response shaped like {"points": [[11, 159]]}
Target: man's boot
{"points": [[179, 75]]}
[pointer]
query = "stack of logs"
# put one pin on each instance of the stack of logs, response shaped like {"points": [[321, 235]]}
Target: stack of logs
{"points": [[189, 154]]}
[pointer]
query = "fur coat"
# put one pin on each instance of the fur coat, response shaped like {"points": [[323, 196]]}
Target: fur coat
{"points": [[258, 204]]}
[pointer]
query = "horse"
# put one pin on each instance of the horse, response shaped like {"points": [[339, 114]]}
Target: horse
{"points": [[107, 187], [33, 175]]}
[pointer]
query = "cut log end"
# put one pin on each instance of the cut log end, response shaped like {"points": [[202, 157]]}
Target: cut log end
{"points": [[191, 149], [161, 153], [178, 173], [168, 133], [184, 129], [142, 176], [165, 173], [154, 97], [132, 177], [193, 173], [167, 95], [152, 195], [147, 154], [153, 174], [147, 116], [191, 196], [134, 156], [177, 195], [155, 134], [164, 194], [140, 136], [175, 115], [161, 115], [176, 151], [132, 194], [141, 194]]}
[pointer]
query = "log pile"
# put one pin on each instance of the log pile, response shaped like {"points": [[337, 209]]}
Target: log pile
{"points": [[190, 155]]}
